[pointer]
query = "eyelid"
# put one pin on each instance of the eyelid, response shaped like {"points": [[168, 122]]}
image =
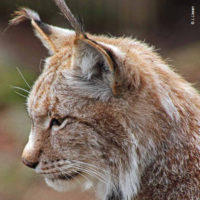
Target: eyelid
{"points": [[65, 121]]}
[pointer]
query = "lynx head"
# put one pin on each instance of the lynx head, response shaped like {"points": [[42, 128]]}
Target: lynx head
{"points": [[92, 109]]}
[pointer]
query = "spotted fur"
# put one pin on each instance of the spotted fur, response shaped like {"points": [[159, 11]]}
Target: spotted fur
{"points": [[108, 114]]}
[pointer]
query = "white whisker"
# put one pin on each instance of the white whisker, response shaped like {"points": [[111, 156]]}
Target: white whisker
{"points": [[97, 175], [93, 172], [20, 94], [15, 87], [23, 77], [62, 171], [86, 179], [89, 172], [97, 168]]}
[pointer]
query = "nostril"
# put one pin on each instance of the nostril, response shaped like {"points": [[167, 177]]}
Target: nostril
{"points": [[29, 164]]}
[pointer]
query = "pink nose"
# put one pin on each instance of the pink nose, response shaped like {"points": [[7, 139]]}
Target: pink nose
{"points": [[29, 164]]}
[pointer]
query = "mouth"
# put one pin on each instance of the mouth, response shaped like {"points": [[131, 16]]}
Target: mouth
{"points": [[66, 177]]}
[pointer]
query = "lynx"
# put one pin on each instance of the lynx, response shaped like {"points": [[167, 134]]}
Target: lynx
{"points": [[109, 115]]}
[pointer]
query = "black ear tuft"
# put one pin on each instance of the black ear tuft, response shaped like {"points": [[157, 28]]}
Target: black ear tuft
{"points": [[53, 38], [70, 17], [23, 14]]}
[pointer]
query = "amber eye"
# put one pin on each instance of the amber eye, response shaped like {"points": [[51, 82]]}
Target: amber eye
{"points": [[56, 122]]}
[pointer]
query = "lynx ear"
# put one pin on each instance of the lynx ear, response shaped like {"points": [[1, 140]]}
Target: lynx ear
{"points": [[53, 38], [96, 63]]}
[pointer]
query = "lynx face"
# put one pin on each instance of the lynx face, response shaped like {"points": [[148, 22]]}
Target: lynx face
{"points": [[108, 113]]}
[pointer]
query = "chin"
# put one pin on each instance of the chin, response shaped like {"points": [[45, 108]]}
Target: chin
{"points": [[83, 182]]}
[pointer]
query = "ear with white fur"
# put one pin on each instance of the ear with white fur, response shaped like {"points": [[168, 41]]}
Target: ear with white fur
{"points": [[53, 38], [97, 63]]}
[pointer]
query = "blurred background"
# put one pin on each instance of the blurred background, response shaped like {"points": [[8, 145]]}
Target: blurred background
{"points": [[165, 24]]}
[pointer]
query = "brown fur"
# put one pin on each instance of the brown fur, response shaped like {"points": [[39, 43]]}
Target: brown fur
{"points": [[139, 132]]}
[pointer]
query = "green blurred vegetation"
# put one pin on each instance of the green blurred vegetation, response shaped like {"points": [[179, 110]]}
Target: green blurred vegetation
{"points": [[10, 78]]}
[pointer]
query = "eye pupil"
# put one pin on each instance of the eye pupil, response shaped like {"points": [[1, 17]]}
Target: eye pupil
{"points": [[55, 122]]}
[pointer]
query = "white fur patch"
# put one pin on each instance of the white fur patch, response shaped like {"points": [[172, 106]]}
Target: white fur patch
{"points": [[31, 142], [84, 182], [115, 49], [61, 36], [90, 78]]}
